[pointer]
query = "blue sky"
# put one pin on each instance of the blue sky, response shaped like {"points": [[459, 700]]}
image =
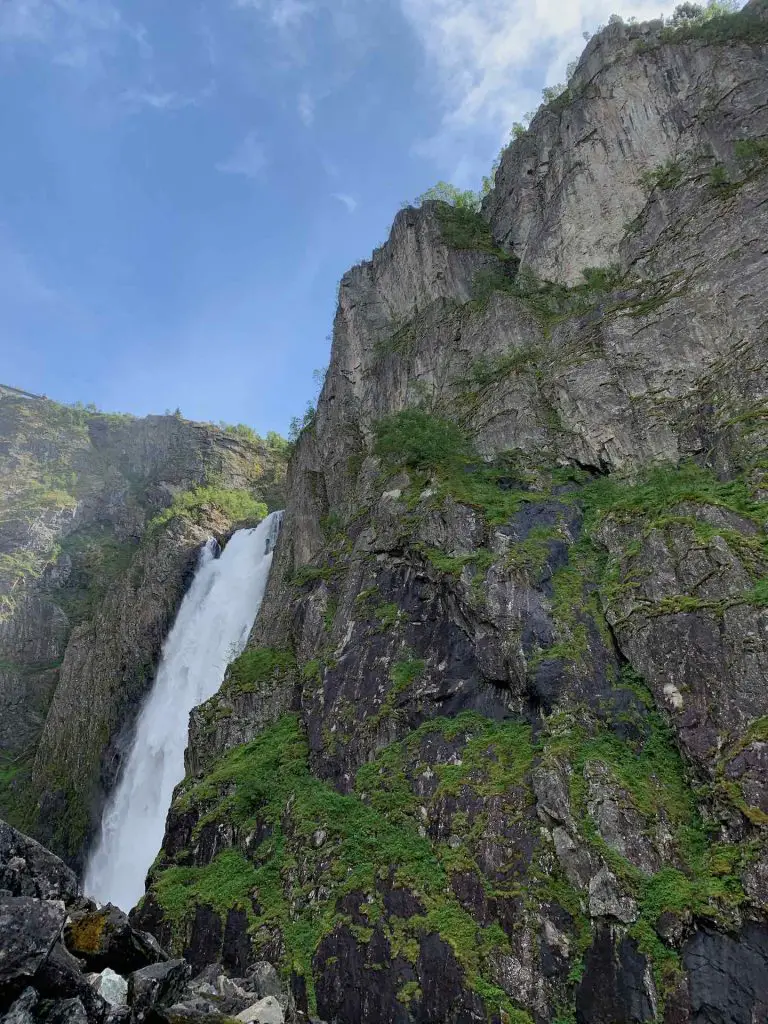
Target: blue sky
{"points": [[183, 183]]}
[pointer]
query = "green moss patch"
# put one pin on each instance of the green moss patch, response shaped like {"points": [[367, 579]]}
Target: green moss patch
{"points": [[258, 666], [368, 835]]}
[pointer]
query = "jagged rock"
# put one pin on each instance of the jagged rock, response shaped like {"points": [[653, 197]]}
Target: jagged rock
{"points": [[105, 938], [490, 646], [607, 900], [552, 801], [23, 1010], [28, 869], [265, 1011], [622, 828], [112, 987], [263, 979], [61, 977], [161, 983], [29, 928], [576, 860], [64, 1011]]}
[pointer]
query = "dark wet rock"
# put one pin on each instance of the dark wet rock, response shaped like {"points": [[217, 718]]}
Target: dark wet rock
{"points": [[161, 983], [28, 869], [728, 976], [29, 928], [105, 938], [63, 1011], [615, 985], [61, 977]]}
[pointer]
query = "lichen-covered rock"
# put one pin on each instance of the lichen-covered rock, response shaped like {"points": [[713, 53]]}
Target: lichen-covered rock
{"points": [[105, 938]]}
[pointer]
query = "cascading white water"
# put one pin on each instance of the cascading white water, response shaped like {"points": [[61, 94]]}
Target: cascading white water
{"points": [[210, 630]]}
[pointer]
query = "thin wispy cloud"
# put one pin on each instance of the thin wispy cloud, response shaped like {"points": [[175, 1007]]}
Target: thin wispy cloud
{"points": [[77, 34], [282, 13], [483, 55], [249, 158], [349, 201], [136, 100], [306, 107], [287, 14]]}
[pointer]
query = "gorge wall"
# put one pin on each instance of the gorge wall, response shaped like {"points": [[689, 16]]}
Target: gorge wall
{"points": [[101, 521], [497, 749]]}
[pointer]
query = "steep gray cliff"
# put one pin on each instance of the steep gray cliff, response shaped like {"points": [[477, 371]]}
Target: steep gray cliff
{"points": [[101, 519], [497, 750]]}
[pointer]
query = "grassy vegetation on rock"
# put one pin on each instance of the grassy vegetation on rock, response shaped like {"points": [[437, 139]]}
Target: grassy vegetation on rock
{"points": [[368, 835], [258, 666], [238, 505]]}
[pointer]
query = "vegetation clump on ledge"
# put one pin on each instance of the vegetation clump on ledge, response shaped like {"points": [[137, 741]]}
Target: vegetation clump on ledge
{"points": [[258, 666], [237, 505]]}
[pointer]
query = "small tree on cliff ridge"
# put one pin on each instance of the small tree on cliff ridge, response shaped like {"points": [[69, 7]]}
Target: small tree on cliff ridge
{"points": [[444, 192]]}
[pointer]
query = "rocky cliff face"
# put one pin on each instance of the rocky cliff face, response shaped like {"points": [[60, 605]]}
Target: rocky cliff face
{"points": [[498, 749], [101, 519]]}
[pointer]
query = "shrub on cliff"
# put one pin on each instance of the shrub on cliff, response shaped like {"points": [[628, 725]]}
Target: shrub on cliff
{"points": [[417, 440]]}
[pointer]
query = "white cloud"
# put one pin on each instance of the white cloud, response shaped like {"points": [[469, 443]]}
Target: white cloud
{"points": [[78, 34], [248, 159], [306, 107], [288, 14], [349, 201], [139, 99], [489, 59], [283, 14]]}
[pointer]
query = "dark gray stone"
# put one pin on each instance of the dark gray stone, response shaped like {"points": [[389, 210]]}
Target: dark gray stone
{"points": [[728, 976], [28, 869], [23, 1010], [162, 983], [29, 929]]}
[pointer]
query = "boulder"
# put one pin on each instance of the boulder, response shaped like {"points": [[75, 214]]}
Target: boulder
{"points": [[186, 1013], [61, 977], [265, 1011], [264, 980], [28, 869], [105, 938], [64, 1011], [23, 1010], [112, 987], [162, 983], [29, 929]]}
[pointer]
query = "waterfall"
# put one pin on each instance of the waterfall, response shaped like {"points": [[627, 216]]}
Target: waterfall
{"points": [[211, 629]]}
